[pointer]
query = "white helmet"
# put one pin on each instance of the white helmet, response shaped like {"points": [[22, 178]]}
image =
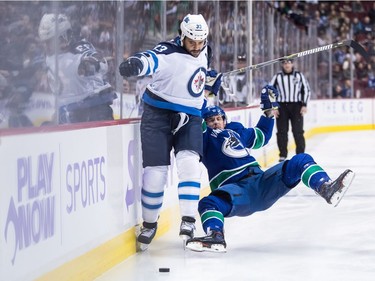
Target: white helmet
{"points": [[194, 27], [48, 28]]}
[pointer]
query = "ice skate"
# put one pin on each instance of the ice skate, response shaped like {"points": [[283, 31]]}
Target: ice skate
{"points": [[334, 191], [147, 233], [187, 228], [213, 242]]}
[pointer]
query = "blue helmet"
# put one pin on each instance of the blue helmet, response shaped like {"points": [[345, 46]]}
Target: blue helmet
{"points": [[213, 110]]}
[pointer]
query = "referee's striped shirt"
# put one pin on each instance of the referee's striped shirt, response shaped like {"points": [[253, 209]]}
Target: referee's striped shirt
{"points": [[292, 87]]}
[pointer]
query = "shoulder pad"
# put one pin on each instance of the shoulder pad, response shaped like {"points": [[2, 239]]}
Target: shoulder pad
{"points": [[168, 47], [234, 126], [81, 47]]}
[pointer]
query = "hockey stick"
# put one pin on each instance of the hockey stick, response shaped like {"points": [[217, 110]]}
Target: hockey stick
{"points": [[349, 43]]}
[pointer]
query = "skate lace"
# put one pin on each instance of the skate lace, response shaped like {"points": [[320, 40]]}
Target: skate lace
{"points": [[189, 226], [215, 233], [147, 232]]}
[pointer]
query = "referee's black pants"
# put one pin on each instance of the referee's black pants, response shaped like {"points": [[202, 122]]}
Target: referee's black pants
{"points": [[290, 111]]}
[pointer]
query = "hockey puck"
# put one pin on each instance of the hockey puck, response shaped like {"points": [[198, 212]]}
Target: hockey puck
{"points": [[164, 269]]}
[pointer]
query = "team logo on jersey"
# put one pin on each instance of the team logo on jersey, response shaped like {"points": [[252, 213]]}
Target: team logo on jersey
{"points": [[233, 147], [196, 82]]}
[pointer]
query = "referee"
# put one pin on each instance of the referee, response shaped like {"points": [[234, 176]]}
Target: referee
{"points": [[294, 93]]}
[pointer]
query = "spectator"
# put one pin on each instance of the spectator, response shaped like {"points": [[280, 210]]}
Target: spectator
{"points": [[337, 74], [367, 26], [357, 26], [347, 89], [371, 80], [361, 72], [371, 13], [337, 91], [347, 65]]}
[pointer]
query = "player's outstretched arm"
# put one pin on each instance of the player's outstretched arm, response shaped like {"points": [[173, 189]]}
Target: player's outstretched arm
{"points": [[268, 103]]}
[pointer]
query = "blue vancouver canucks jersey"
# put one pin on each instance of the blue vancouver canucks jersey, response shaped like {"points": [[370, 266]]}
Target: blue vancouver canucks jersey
{"points": [[227, 152]]}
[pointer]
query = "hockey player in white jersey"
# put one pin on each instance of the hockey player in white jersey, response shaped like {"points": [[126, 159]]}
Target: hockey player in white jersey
{"points": [[172, 119], [75, 73], [239, 187]]}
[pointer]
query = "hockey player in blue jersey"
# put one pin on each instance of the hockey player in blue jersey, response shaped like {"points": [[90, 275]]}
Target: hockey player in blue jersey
{"points": [[172, 119], [239, 187]]}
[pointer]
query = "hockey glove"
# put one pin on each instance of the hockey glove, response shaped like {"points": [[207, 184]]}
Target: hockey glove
{"points": [[131, 67], [213, 82], [268, 98]]}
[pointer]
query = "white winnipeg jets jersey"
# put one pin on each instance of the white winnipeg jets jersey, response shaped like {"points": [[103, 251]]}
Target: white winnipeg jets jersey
{"points": [[70, 85], [178, 78]]}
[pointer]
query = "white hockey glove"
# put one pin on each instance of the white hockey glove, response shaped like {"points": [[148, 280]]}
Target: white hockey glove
{"points": [[213, 82]]}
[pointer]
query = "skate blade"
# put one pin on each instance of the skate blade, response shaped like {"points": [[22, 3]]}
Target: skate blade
{"points": [[199, 247], [141, 247], [337, 196], [184, 239]]}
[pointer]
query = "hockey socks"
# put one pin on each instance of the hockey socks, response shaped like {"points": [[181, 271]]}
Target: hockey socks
{"points": [[314, 176], [212, 219], [212, 210]]}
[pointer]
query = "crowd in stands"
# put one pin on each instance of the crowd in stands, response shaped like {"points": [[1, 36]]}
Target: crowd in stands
{"points": [[23, 71], [356, 18], [337, 21]]}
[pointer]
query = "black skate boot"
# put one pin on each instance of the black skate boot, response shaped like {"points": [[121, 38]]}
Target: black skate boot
{"points": [[147, 233], [213, 242], [334, 191], [187, 228]]}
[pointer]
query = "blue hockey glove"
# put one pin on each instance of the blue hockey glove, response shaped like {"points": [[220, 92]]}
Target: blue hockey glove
{"points": [[131, 67], [213, 82], [268, 98]]}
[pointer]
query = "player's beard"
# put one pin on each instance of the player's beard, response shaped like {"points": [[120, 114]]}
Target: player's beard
{"points": [[195, 53]]}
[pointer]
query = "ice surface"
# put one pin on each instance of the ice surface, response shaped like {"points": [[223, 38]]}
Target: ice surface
{"points": [[300, 238]]}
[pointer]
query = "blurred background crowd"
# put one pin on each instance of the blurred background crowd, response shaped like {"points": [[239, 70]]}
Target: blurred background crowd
{"points": [[241, 33]]}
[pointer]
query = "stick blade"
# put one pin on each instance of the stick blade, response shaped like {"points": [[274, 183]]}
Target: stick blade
{"points": [[358, 48]]}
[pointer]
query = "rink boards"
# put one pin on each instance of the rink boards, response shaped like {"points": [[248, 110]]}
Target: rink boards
{"points": [[71, 198]]}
